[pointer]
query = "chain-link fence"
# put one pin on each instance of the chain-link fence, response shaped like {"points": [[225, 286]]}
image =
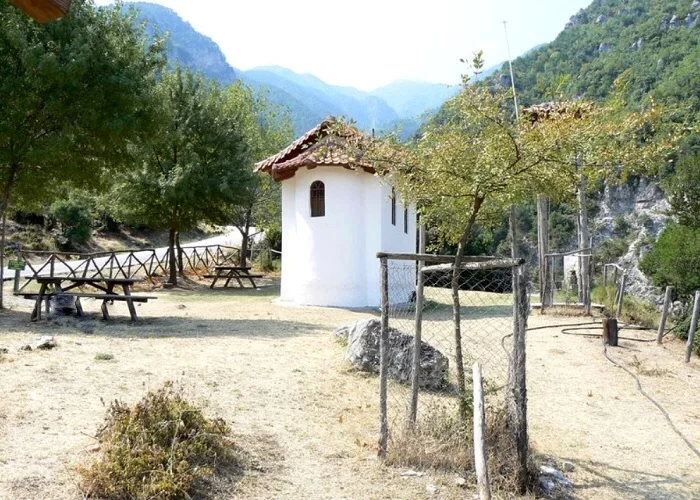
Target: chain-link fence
{"points": [[428, 391]]}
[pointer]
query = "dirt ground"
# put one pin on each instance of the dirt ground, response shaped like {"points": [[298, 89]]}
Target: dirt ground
{"points": [[309, 424]]}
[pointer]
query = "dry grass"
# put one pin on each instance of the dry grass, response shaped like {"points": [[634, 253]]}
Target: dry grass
{"points": [[309, 425], [641, 368]]}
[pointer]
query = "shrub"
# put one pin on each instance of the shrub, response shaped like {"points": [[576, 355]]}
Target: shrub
{"points": [[163, 448], [74, 217], [674, 260]]}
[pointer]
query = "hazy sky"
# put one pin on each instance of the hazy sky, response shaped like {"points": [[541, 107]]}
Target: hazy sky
{"points": [[369, 43]]}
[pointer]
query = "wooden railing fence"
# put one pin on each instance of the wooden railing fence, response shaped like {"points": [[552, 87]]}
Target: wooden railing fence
{"points": [[147, 262]]}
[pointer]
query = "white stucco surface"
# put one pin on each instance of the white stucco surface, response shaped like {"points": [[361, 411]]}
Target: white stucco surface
{"points": [[331, 260]]}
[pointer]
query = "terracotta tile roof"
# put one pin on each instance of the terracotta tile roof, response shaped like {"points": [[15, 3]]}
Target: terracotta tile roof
{"points": [[324, 145]]}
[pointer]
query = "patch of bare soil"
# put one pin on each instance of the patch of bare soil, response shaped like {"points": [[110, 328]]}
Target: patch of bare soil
{"points": [[307, 423]]}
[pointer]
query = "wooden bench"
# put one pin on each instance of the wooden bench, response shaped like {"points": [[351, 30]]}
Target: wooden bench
{"points": [[106, 293], [233, 272]]}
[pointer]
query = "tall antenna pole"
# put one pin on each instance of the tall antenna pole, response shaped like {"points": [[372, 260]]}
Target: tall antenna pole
{"points": [[512, 77]]}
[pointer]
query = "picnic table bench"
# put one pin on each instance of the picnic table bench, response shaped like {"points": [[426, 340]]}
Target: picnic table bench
{"points": [[105, 291], [233, 272]]}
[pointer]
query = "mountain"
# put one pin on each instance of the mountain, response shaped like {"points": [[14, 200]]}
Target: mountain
{"points": [[654, 45], [308, 98], [412, 99], [186, 45]]}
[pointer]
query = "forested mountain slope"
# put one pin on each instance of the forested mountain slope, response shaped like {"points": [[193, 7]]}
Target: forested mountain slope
{"points": [[655, 45]]}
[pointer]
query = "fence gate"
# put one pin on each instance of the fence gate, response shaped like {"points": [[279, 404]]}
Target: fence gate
{"points": [[428, 348]]}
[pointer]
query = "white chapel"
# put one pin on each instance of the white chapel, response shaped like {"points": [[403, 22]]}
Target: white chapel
{"points": [[337, 213]]}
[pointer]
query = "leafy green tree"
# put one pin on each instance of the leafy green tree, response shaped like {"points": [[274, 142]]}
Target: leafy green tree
{"points": [[474, 161], [72, 93], [683, 191], [196, 164], [675, 260], [268, 129]]}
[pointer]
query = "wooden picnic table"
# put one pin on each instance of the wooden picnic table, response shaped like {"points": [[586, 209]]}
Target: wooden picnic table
{"points": [[233, 272], [65, 286]]}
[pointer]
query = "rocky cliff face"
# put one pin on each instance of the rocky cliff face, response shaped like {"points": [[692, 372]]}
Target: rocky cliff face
{"points": [[641, 207]]}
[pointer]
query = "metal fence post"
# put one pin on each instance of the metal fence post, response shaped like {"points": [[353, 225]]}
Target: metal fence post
{"points": [[383, 360]]}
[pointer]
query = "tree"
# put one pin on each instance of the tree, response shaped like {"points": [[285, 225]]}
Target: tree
{"points": [[269, 129], [675, 260], [683, 191], [72, 93], [194, 166], [474, 161]]}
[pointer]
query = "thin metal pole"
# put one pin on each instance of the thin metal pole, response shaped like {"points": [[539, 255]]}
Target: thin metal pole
{"points": [[512, 76]]}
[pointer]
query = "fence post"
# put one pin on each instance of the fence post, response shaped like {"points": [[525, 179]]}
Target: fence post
{"points": [[693, 327], [480, 452], [588, 283], [605, 276], [415, 372], [610, 332], [383, 360], [621, 299], [664, 315], [518, 378]]}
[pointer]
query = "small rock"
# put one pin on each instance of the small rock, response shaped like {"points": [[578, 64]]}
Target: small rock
{"points": [[181, 306], [568, 466], [412, 473], [546, 484], [45, 343], [461, 482], [342, 332], [431, 489], [3, 350], [601, 19], [25, 348]]}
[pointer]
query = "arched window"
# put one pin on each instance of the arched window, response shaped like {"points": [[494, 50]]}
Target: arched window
{"points": [[393, 206], [318, 199]]}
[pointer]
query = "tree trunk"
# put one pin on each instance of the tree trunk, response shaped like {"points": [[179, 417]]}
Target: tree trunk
{"points": [[245, 236], [180, 264], [456, 315], [543, 249], [7, 191], [583, 239], [172, 261]]}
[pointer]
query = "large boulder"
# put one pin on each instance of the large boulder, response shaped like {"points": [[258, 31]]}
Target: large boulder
{"points": [[363, 352]]}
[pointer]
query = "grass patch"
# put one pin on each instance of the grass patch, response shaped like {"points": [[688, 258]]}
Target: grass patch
{"points": [[102, 356], [439, 441], [163, 447], [634, 310], [641, 369]]}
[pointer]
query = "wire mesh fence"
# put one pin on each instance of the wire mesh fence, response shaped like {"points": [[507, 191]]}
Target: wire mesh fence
{"points": [[429, 403]]}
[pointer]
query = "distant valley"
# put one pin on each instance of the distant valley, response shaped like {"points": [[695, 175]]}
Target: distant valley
{"points": [[399, 105]]}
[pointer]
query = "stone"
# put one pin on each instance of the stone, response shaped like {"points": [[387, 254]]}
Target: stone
{"points": [[363, 353], [550, 474], [341, 333], [62, 305], [461, 482], [674, 22], [695, 5], [637, 45], [690, 20], [603, 48], [45, 343], [431, 489], [4, 350], [568, 466], [26, 347], [504, 80]]}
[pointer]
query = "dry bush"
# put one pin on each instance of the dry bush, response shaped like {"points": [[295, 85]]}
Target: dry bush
{"points": [[439, 441], [163, 447]]}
